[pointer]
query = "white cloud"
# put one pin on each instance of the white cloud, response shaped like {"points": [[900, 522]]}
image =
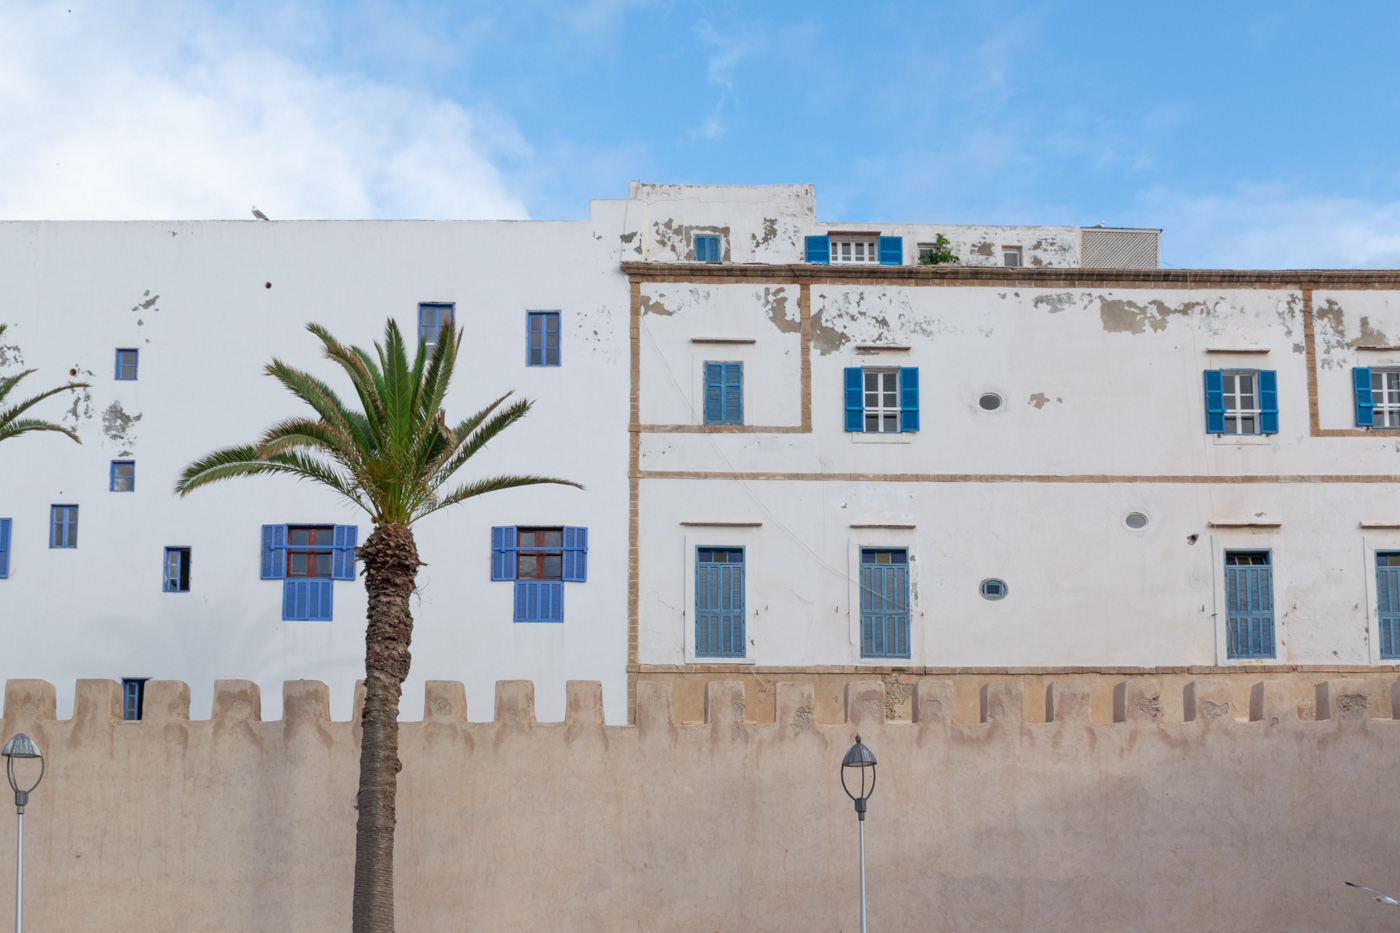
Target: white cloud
{"points": [[117, 112]]}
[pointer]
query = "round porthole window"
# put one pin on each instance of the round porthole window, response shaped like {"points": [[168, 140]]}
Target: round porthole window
{"points": [[989, 402], [993, 589], [1135, 520]]}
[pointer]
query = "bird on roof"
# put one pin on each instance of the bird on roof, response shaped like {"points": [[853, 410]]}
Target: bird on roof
{"points": [[1379, 897], [259, 214]]}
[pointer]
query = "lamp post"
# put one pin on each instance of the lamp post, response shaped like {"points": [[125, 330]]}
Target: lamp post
{"points": [[861, 759], [20, 746]]}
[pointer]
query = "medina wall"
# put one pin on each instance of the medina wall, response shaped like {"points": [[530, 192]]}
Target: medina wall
{"points": [[1232, 819]]}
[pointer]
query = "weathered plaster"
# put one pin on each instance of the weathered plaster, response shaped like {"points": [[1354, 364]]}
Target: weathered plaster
{"points": [[1123, 316], [117, 426]]}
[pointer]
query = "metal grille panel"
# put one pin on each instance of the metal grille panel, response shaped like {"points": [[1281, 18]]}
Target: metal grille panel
{"points": [[1101, 248]]}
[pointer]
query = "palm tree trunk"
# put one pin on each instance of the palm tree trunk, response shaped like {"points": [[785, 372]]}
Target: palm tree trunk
{"points": [[390, 559]]}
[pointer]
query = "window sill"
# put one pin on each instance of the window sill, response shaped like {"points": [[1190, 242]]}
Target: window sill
{"points": [[860, 437], [1245, 440]]}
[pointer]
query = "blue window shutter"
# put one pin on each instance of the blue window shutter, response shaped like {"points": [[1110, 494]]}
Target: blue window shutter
{"points": [[909, 398], [733, 393], [1215, 401], [1365, 405], [552, 608], [891, 250], [319, 596], [855, 398], [539, 601], [293, 600], [503, 548], [714, 393], [344, 539], [274, 552], [4, 548], [819, 249], [575, 554], [1268, 401]]}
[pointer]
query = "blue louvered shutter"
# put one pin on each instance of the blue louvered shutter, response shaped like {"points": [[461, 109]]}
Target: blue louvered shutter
{"points": [[1268, 401], [855, 399], [539, 601], [1215, 401], [909, 398], [1365, 404], [344, 539], [1249, 619], [274, 552], [575, 554], [714, 393], [503, 548], [307, 599], [4, 548], [1388, 605], [733, 393], [891, 250], [819, 249]]}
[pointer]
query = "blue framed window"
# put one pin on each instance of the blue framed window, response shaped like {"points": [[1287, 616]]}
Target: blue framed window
{"points": [[707, 249], [1241, 401], [432, 317], [719, 602], [4, 548], [1388, 602], [63, 526], [1377, 397], [1249, 604], [133, 697], [123, 476], [542, 338], [724, 393], [884, 603], [882, 401], [177, 570], [540, 561], [126, 365], [308, 559]]}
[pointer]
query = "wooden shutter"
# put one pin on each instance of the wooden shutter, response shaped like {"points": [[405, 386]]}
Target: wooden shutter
{"points": [[503, 548], [539, 601], [714, 393], [909, 398], [733, 406], [884, 611], [819, 249], [1215, 401], [575, 555], [891, 250], [274, 552], [719, 610], [1388, 607], [855, 399], [4, 548], [1249, 603], [308, 599], [344, 538], [1365, 404], [1268, 401]]}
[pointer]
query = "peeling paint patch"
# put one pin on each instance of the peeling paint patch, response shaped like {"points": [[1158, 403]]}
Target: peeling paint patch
{"points": [[770, 233], [842, 316], [594, 330], [679, 239], [655, 307], [1040, 400], [148, 304], [1129, 317], [10, 355], [1299, 348], [627, 237], [985, 248], [117, 424], [1331, 333], [775, 303], [1055, 303], [81, 409]]}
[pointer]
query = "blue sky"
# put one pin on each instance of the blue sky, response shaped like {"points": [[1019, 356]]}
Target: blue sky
{"points": [[1257, 135]]}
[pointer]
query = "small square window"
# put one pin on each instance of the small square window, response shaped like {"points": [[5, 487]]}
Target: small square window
{"points": [[881, 401], [123, 476], [309, 550], [540, 555], [542, 338], [63, 525], [431, 319], [707, 249], [133, 697], [855, 250], [1011, 256], [126, 365], [1241, 402], [177, 570]]}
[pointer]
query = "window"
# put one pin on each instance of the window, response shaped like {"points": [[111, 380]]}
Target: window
{"points": [[1388, 602], [177, 570], [863, 248], [542, 343], [126, 365], [989, 402], [1241, 401], [724, 393], [133, 697], [1011, 256], [707, 249], [719, 602], [1377, 397], [431, 319], [63, 521], [882, 401], [123, 476], [884, 603], [993, 589], [1249, 604], [540, 561], [854, 250], [4, 548], [308, 559]]}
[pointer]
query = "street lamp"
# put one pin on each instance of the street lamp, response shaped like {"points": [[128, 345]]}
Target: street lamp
{"points": [[861, 759], [21, 746]]}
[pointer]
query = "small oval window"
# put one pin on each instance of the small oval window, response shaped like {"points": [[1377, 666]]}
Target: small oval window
{"points": [[1135, 520], [990, 402], [993, 589]]}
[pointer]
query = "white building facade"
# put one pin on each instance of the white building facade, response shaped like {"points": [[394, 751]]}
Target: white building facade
{"points": [[805, 452]]}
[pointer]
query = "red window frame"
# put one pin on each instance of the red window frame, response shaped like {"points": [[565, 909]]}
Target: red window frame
{"points": [[308, 552], [539, 553]]}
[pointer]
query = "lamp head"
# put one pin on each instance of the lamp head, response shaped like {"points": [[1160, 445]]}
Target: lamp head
{"points": [[861, 760], [21, 746]]}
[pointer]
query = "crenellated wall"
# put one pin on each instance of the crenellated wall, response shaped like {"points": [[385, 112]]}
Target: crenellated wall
{"points": [[1234, 819]]}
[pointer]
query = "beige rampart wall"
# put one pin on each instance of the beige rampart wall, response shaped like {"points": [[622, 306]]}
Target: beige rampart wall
{"points": [[233, 824]]}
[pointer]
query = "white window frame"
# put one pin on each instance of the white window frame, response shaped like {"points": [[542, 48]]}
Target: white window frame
{"points": [[1235, 413], [1385, 399], [1008, 251], [844, 250], [883, 413]]}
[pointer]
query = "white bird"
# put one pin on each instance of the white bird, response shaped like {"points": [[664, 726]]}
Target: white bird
{"points": [[1379, 897], [259, 214]]}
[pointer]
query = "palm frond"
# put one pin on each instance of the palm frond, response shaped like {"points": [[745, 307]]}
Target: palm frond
{"points": [[244, 461], [27, 425], [482, 436], [481, 487]]}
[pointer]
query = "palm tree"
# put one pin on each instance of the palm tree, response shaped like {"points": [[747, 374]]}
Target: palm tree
{"points": [[11, 424], [392, 459]]}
